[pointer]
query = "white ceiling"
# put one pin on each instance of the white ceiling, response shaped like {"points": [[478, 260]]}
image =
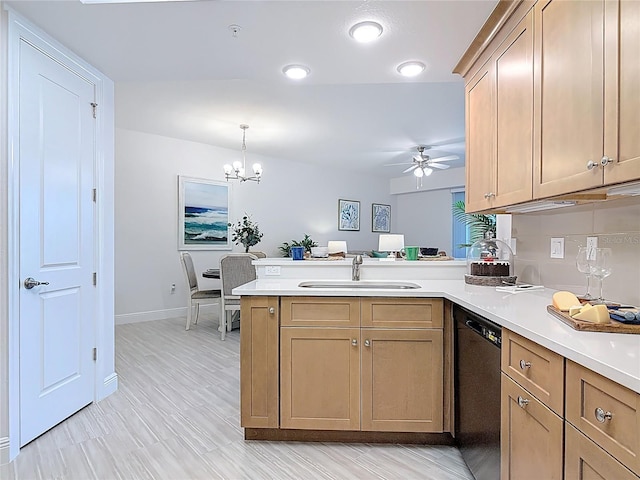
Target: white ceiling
{"points": [[180, 72]]}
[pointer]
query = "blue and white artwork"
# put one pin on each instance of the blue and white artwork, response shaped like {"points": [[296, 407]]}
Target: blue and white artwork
{"points": [[348, 215], [380, 218], [204, 215]]}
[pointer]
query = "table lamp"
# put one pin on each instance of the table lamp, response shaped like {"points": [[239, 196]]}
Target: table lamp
{"points": [[337, 248], [391, 243]]}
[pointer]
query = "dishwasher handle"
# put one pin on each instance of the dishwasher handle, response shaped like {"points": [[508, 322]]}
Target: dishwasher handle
{"points": [[492, 336], [475, 326]]}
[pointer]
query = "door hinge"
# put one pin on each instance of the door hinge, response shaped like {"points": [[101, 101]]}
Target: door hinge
{"points": [[95, 109], [95, 354], [95, 195], [95, 278]]}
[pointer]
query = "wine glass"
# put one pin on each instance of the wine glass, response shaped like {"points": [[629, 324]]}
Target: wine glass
{"points": [[583, 265], [600, 262]]}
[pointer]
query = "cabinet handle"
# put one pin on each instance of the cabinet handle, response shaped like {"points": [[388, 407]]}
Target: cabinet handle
{"points": [[602, 416], [591, 165], [354, 342], [367, 343], [522, 402], [272, 310], [605, 161], [524, 364], [489, 195]]}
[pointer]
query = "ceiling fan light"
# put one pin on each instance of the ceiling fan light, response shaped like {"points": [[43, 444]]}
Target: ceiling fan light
{"points": [[296, 72], [418, 172], [428, 171], [365, 32], [411, 69]]}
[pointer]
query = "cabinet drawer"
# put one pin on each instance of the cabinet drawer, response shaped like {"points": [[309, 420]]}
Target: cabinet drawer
{"points": [[583, 459], [618, 434], [531, 437], [537, 369], [320, 312], [402, 312]]}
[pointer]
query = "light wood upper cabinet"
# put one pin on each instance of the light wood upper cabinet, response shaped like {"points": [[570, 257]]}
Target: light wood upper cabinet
{"points": [[499, 108], [259, 359], [587, 105], [622, 91], [402, 373], [569, 91]]}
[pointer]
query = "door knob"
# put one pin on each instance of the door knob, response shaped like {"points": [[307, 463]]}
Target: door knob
{"points": [[29, 283]]}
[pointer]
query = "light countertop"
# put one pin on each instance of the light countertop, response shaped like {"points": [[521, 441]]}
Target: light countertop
{"points": [[613, 355]]}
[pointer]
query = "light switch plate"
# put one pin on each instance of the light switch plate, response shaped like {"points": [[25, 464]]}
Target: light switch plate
{"points": [[272, 270], [557, 247], [592, 242]]}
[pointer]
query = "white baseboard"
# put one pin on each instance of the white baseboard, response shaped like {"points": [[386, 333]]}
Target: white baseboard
{"points": [[110, 385], [161, 314]]}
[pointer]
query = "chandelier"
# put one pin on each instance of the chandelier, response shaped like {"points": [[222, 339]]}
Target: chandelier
{"points": [[238, 170]]}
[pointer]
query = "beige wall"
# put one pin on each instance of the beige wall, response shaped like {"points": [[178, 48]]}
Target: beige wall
{"points": [[616, 223]]}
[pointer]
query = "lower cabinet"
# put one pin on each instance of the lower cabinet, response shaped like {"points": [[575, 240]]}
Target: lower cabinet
{"points": [[531, 436], [584, 460], [338, 369]]}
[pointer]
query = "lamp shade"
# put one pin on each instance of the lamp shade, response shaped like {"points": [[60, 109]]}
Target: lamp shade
{"points": [[337, 246], [390, 242]]}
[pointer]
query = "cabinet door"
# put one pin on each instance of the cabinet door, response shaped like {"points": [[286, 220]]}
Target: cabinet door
{"points": [[514, 116], [320, 378], [480, 130], [402, 380], [584, 460], [530, 436], [622, 91], [569, 96], [259, 362]]}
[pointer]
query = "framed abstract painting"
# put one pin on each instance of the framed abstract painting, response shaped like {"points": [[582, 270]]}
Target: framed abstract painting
{"points": [[203, 214], [348, 215], [380, 218]]}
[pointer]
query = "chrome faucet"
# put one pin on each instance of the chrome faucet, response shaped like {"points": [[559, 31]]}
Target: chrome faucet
{"points": [[355, 269]]}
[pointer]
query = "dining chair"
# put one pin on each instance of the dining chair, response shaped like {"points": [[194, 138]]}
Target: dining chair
{"points": [[196, 296], [235, 269]]}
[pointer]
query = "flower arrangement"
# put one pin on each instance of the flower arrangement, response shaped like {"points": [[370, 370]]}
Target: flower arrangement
{"points": [[245, 232]]}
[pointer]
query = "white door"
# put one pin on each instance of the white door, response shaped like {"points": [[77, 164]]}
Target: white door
{"points": [[56, 242]]}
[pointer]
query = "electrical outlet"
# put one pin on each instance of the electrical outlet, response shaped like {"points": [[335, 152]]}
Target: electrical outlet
{"points": [[557, 247], [272, 270], [592, 244], [173, 288]]}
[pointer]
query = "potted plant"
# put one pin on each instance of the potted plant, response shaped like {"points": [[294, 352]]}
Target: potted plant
{"points": [[478, 223], [245, 232], [306, 242]]}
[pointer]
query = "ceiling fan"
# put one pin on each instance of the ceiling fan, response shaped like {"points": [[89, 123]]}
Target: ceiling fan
{"points": [[423, 165]]}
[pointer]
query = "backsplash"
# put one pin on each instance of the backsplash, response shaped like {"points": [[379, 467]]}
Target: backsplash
{"points": [[616, 223]]}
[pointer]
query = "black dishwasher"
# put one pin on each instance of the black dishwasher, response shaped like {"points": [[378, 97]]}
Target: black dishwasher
{"points": [[477, 387]]}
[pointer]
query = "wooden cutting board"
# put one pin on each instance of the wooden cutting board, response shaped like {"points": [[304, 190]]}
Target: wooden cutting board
{"points": [[611, 327]]}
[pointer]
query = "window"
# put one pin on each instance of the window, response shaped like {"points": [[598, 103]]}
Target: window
{"points": [[460, 233]]}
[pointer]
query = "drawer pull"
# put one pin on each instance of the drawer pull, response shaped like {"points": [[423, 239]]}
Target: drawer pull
{"points": [[354, 342], [602, 416], [522, 402], [524, 365], [367, 343]]}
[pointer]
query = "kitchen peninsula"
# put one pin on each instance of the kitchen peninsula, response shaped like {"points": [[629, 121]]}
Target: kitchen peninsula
{"points": [[270, 305]]}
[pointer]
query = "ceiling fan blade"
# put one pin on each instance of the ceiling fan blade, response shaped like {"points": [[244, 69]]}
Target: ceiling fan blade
{"points": [[445, 159], [437, 165], [412, 167], [396, 164]]}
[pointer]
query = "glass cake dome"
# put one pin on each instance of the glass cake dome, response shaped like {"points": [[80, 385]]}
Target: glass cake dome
{"points": [[489, 262]]}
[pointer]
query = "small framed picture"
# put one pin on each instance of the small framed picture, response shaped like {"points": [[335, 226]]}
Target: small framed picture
{"points": [[348, 215], [380, 218]]}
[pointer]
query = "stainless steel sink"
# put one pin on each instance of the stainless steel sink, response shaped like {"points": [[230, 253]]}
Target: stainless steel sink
{"points": [[359, 284]]}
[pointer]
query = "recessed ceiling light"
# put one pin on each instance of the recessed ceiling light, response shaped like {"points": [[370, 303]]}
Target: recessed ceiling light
{"points": [[411, 69], [365, 31], [296, 72]]}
